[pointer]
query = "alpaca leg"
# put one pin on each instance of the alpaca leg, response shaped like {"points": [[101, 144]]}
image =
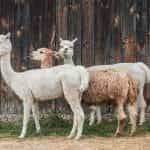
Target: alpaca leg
{"points": [[98, 114], [120, 117], [35, 111], [132, 110], [73, 97], [27, 109], [78, 114], [92, 115], [142, 111], [120, 112], [120, 127], [74, 128], [142, 106], [80, 120]]}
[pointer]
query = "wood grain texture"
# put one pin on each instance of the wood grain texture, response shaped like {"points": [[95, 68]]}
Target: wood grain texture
{"points": [[99, 25]]}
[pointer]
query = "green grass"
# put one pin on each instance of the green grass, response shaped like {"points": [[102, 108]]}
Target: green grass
{"points": [[56, 126]]}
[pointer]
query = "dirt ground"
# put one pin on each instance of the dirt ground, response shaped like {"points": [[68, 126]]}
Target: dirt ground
{"points": [[62, 143]]}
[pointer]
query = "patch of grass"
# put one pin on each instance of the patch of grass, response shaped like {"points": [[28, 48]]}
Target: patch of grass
{"points": [[52, 125], [56, 126], [104, 129]]}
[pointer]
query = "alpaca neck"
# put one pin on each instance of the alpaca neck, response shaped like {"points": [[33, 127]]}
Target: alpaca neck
{"points": [[6, 68], [68, 60]]}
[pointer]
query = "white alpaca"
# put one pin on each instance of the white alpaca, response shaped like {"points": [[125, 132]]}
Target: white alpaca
{"points": [[66, 53], [41, 84], [139, 71]]}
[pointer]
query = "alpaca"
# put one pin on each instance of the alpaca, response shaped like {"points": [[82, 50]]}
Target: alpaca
{"points": [[41, 84], [66, 54], [117, 87], [138, 70], [45, 56], [131, 48]]}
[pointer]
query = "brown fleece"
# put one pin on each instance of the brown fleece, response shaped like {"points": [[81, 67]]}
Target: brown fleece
{"points": [[46, 58], [110, 86]]}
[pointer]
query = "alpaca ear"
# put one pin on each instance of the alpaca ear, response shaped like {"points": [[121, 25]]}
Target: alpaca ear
{"points": [[8, 35], [73, 41]]}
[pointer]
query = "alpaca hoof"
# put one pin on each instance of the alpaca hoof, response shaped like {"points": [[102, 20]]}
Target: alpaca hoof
{"points": [[38, 131], [70, 136], [21, 136], [141, 123], [90, 124], [117, 134], [131, 134], [77, 137]]}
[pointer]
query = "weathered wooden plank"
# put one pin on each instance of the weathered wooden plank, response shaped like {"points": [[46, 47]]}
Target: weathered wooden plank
{"points": [[74, 27], [61, 18], [87, 32], [98, 42], [115, 55]]}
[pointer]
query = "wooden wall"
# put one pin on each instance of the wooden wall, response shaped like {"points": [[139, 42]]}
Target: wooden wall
{"points": [[99, 25]]}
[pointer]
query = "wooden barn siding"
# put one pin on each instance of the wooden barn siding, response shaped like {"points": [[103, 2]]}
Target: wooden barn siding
{"points": [[99, 25]]}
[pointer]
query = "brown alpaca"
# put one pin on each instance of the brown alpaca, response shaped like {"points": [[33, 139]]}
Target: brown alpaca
{"points": [[45, 56], [117, 87]]}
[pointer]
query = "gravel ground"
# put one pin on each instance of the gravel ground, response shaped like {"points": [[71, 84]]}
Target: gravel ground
{"points": [[62, 143]]}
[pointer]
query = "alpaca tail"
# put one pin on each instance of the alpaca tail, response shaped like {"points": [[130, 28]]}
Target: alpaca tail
{"points": [[84, 78], [146, 69], [133, 90]]}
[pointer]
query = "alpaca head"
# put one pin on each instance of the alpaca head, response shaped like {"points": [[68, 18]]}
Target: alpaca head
{"points": [[5, 44], [66, 48], [44, 55]]}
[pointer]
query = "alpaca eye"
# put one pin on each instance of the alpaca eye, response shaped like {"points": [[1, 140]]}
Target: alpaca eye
{"points": [[41, 52]]}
